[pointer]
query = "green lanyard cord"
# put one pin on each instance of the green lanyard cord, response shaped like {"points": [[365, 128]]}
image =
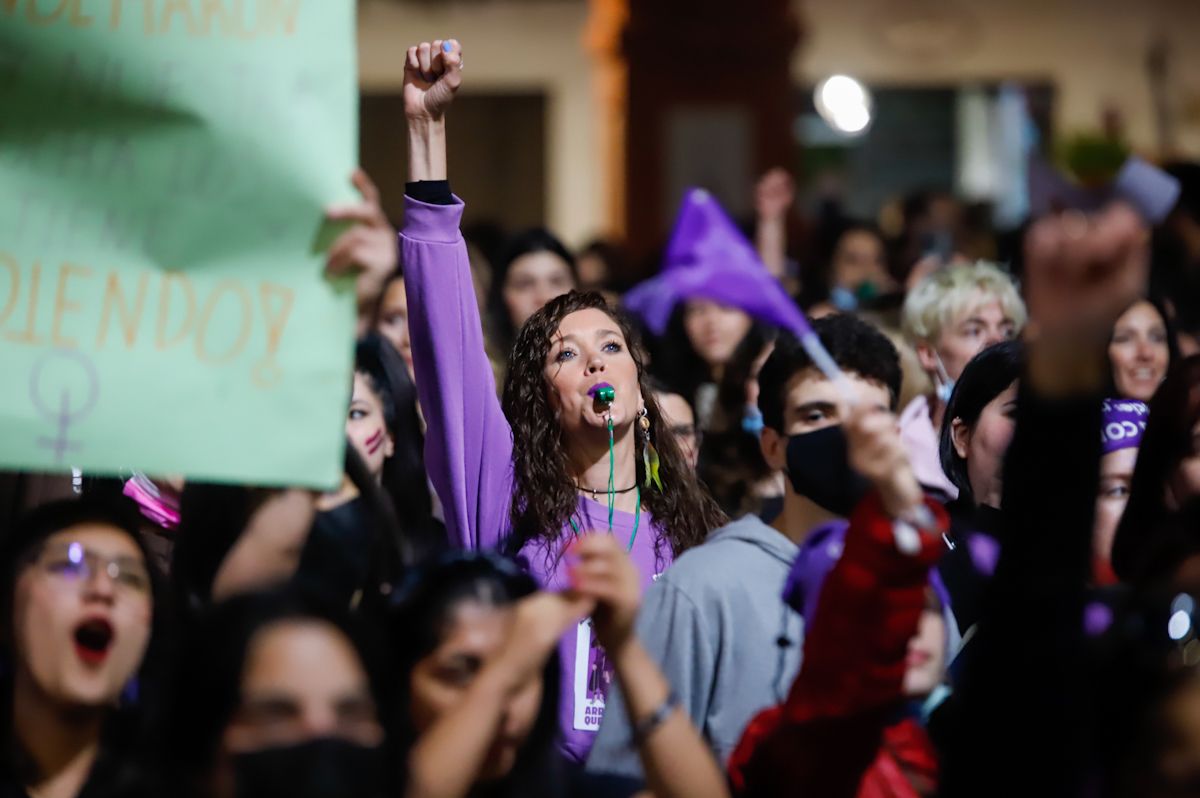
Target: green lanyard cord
{"points": [[612, 494]]}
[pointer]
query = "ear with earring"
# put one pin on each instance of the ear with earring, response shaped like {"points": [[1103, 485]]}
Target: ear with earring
{"points": [[649, 453]]}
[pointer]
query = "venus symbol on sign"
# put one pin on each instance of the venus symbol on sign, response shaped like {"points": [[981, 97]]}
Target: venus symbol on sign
{"points": [[64, 387]]}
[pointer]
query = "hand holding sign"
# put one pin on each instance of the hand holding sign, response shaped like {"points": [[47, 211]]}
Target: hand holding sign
{"points": [[369, 249]]}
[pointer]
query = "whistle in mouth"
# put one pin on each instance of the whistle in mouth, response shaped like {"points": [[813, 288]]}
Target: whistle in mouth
{"points": [[603, 393]]}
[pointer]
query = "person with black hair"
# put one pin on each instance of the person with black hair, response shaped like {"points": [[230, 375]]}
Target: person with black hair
{"points": [[477, 672], [275, 694], [80, 621], [1142, 347], [535, 268], [235, 539], [384, 427], [715, 621], [974, 440], [1167, 473], [874, 646]]}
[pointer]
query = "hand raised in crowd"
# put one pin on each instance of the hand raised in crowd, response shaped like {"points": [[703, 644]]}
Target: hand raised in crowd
{"points": [[876, 451], [774, 194], [432, 75], [368, 249], [606, 575], [1081, 273], [539, 622]]}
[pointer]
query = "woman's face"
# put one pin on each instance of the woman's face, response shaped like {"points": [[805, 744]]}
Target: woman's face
{"points": [[440, 681], [925, 663], [532, 281], [858, 259], [681, 421], [714, 330], [366, 426], [1116, 475], [393, 320], [268, 551], [1138, 352], [302, 679], [984, 445], [588, 349], [81, 616]]}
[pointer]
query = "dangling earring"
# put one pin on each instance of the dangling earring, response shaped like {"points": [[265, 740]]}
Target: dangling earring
{"points": [[649, 453]]}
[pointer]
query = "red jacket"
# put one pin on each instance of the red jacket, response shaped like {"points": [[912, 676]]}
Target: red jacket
{"points": [[838, 734]]}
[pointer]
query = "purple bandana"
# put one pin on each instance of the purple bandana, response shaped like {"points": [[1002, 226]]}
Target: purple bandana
{"points": [[709, 258], [1124, 424]]}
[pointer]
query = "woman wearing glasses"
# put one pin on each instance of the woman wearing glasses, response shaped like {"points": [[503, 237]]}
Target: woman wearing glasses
{"points": [[78, 613]]}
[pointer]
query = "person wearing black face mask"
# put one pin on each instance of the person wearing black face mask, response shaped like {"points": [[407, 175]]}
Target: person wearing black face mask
{"points": [[274, 695], [715, 621]]}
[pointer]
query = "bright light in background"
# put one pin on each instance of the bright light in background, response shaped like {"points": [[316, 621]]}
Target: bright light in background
{"points": [[844, 103]]}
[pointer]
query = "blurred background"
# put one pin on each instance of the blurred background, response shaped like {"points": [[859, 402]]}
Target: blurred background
{"points": [[593, 116]]}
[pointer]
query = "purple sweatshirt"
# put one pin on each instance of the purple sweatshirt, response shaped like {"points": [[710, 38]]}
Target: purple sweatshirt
{"points": [[468, 450]]}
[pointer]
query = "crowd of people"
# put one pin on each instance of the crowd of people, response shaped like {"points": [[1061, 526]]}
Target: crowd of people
{"points": [[590, 548]]}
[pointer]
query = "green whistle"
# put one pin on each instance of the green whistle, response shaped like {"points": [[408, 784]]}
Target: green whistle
{"points": [[604, 393]]}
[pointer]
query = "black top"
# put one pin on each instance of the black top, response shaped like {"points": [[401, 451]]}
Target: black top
{"points": [[1022, 711]]}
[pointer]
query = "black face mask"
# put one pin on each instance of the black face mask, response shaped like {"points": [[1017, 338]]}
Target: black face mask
{"points": [[818, 466], [327, 767]]}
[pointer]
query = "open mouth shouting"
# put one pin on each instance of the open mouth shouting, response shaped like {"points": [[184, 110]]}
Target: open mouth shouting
{"points": [[93, 640]]}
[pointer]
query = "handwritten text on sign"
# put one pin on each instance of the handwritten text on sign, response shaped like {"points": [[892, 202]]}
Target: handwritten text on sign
{"points": [[163, 165]]}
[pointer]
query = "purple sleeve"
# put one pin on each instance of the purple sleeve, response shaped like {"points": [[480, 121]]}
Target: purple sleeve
{"points": [[468, 444]]}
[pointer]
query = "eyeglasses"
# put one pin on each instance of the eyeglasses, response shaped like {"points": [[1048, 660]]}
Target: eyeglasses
{"points": [[73, 563]]}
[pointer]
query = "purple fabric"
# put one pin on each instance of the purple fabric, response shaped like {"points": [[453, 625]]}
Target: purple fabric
{"points": [[1097, 617], [708, 258], [468, 446], [984, 551], [1124, 424], [818, 554]]}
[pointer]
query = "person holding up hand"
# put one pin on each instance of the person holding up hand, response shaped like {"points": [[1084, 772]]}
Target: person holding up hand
{"points": [[477, 665], [875, 641], [579, 443], [1025, 693]]}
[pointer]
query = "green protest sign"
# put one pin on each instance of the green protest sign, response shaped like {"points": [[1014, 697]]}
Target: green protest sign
{"points": [[163, 169]]}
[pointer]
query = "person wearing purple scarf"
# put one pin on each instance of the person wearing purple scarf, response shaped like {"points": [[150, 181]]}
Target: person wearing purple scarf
{"points": [[1120, 437], [562, 457]]}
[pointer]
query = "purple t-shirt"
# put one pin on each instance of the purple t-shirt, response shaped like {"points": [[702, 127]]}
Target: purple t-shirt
{"points": [[468, 449]]}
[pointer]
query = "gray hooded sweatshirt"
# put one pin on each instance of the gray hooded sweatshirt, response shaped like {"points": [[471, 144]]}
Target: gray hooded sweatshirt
{"points": [[714, 622]]}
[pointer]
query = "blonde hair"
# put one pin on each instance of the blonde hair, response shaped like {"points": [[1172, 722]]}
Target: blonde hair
{"points": [[946, 294]]}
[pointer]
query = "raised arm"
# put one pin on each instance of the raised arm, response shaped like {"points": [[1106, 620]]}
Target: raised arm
{"points": [[1029, 650], [468, 444], [773, 197]]}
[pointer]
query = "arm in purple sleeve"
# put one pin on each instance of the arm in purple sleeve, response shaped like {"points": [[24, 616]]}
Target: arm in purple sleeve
{"points": [[468, 445]]}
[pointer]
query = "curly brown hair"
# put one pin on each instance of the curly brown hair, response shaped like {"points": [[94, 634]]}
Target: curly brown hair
{"points": [[544, 494]]}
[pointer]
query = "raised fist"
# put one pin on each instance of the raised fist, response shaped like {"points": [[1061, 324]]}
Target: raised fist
{"points": [[774, 194], [1082, 272], [432, 74]]}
